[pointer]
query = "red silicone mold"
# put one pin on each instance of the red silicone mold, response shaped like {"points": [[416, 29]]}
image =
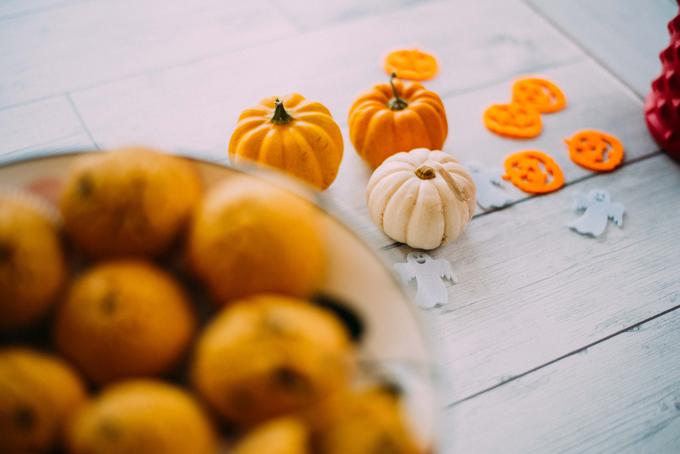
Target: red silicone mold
{"points": [[662, 106]]}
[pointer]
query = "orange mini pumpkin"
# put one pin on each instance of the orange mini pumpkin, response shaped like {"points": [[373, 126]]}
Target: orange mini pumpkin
{"points": [[301, 139], [595, 150], [534, 172], [396, 117]]}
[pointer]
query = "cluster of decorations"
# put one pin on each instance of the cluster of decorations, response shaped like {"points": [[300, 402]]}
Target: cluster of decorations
{"points": [[534, 171], [417, 194], [521, 119], [537, 172]]}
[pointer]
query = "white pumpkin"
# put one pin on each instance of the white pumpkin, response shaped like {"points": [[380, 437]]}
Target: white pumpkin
{"points": [[422, 198]]}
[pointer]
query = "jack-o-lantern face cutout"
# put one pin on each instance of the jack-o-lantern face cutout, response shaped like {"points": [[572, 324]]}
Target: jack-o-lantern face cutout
{"points": [[412, 64], [595, 150], [534, 172], [541, 94], [513, 120]]}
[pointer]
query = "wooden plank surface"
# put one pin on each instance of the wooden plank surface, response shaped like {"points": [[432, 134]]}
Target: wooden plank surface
{"points": [[620, 396], [529, 289], [195, 107], [625, 35], [13, 8], [51, 124], [531, 293], [314, 15], [88, 43]]}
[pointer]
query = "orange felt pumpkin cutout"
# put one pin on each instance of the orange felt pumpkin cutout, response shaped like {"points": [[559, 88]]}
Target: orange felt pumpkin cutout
{"points": [[412, 64], [595, 150], [534, 172], [513, 120], [541, 94]]}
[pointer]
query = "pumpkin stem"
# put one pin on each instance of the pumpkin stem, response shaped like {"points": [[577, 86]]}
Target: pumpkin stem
{"points": [[280, 117], [425, 172], [396, 103], [461, 195]]}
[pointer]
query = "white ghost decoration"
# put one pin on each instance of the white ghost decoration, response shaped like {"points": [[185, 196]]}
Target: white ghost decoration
{"points": [[491, 189], [598, 210], [429, 275]]}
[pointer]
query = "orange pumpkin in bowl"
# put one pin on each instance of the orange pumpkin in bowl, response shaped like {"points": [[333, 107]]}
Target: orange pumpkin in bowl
{"points": [[133, 201], [291, 134], [124, 319], [396, 117], [39, 393], [32, 264], [141, 416]]}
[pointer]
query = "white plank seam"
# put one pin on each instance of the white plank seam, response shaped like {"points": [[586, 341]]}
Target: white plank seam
{"points": [[80, 119], [631, 328], [586, 51]]}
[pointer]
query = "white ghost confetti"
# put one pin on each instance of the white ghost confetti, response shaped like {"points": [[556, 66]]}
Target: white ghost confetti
{"points": [[491, 189], [429, 275], [598, 210]]}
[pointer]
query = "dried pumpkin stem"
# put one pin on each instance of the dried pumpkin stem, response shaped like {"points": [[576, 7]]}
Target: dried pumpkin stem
{"points": [[396, 103], [461, 195], [280, 117], [425, 172]]}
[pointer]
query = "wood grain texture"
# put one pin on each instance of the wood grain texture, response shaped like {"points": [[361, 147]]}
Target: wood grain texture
{"points": [[530, 289], [50, 124], [625, 35], [195, 107], [11, 8], [620, 396], [88, 43], [314, 15]]}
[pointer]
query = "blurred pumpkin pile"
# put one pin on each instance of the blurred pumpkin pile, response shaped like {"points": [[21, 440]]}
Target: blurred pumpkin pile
{"points": [[136, 361]]}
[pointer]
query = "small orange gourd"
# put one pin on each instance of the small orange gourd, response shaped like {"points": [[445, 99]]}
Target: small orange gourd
{"points": [[301, 139], [396, 117]]}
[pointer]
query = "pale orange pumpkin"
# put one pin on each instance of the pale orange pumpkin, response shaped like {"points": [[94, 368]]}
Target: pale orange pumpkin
{"points": [[291, 134], [396, 117]]}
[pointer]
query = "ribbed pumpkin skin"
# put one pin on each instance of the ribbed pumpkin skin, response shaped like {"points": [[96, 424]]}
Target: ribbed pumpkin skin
{"points": [[422, 213], [378, 132], [309, 146]]}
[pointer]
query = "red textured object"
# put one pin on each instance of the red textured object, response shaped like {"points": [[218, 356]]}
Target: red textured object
{"points": [[662, 106]]}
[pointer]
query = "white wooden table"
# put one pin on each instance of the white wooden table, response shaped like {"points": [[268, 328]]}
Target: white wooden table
{"points": [[552, 342]]}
